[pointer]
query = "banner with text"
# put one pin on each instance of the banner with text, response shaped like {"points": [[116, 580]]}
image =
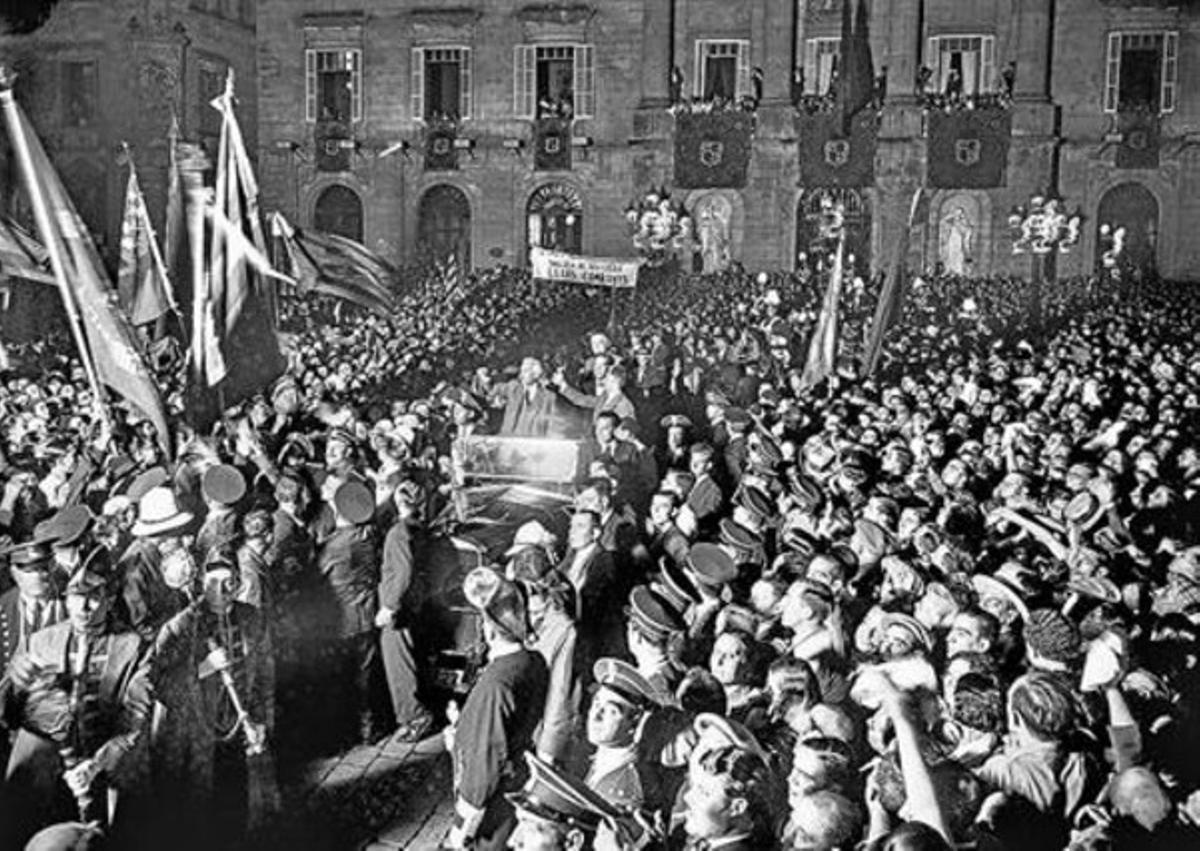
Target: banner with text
{"points": [[592, 271]]}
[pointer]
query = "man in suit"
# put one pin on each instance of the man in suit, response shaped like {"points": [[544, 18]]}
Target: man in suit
{"points": [[589, 569], [34, 603], [702, 508], [396, 609], [83, 696], [530, 407], [349, 570]]}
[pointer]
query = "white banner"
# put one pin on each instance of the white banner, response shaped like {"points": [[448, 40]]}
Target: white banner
{"points": [[592, 271]]}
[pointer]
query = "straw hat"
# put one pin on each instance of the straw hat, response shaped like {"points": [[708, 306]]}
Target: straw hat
{"points": [[158, 514]]}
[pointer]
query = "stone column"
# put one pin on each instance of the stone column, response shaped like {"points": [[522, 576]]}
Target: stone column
{"points": [[656, 52], [901, 19], [1033, 50], [780, 28]]}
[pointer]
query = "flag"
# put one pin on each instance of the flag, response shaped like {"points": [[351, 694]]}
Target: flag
{"points": [[236, 351], [331, 265], [174, 221], [822, 348], [893, 288], [142, 285], [856, 74], [110, 338], [22, 257]]}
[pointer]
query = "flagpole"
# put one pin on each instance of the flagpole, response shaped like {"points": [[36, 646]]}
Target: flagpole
{"points": [[42, 215]]}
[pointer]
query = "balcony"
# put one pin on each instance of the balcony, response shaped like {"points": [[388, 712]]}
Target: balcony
{"points": [[441, 153]]}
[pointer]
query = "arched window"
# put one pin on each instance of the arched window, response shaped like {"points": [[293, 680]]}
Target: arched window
{"points": [[857, 222], [555, 218], [444, 224], [339, 210], [1132, 209]]}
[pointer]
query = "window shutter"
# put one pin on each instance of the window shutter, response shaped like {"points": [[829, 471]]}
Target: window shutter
{"points": [[811, 68], [417, 84], [987, 65], [585, 81], [310, 85], [524, 80], [933, 61], [1170, 71], [356, 86], [464, 83], [743, 69], [1112, 72], [698, 71]]}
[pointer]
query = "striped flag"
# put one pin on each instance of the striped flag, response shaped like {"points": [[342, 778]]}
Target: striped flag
{"points": [[142, 285], [109, 336], [822, 349], [236, 350], [331, 265]]}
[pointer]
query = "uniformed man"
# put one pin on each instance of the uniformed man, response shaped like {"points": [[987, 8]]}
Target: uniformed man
{"points": [[347, 563], [702, 508], [651, 630], [498, 721], [556, 812], [83, 696], [673, 454], [34, 603], [616, 714], [67, 534], [222, 488]]}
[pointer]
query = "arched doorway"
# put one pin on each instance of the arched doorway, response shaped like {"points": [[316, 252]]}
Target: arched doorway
{"points": [[555, 219], [1132, 207], [339, 210], [962, 227], [857, 223], [444, 224]]}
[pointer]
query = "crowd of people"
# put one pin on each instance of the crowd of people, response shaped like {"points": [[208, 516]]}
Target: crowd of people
{"points": [[950, 603]]}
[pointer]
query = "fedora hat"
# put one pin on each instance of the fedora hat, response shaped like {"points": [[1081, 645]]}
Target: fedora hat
{"points": [[158, 514]]}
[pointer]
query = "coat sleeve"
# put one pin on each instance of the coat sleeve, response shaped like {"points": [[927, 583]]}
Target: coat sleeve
{"points": [[481, 745], [559, 717], [137, 700], [396, 570]]}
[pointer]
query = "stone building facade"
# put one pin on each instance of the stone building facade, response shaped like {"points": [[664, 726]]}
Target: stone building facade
{"points": [[99, 73]]}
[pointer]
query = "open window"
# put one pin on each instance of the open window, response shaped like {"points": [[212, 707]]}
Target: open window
{"points": [[333, 84], [1141, 71], [554, 81], [441, 83], [722, 69], [962, 64]]}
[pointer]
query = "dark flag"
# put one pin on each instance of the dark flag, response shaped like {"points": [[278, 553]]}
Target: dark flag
{"points": [[110, 339], [856, 74], [893, 288], [334, 266]]}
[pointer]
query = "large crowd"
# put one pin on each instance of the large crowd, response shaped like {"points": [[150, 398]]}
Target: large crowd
{"points": [[952, 603]]}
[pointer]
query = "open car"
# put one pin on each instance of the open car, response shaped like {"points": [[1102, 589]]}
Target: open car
{"points": [[506, 482]]}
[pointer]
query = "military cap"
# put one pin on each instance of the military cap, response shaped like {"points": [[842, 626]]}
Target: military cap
{"points": [[798, 541], [33, 556], [677, 587], [86, 582], [717, 731], [283, 385], [297, 442], [66, 527], [223, 484], [711, 565], [354, 501], [675, 421], [498, 599], [560, 799], [145, 482], [1096, 587], [716, 397], [66, 836], [805, 492], [769, 450], [758, 503], [341, 434], [911, 625], [735, 535], [738, 417], [623, 680], [652, 616], [1083, 510]]}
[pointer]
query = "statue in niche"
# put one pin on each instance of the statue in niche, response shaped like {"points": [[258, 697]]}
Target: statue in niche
{"points": [[713, 217], [957, 241]]}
